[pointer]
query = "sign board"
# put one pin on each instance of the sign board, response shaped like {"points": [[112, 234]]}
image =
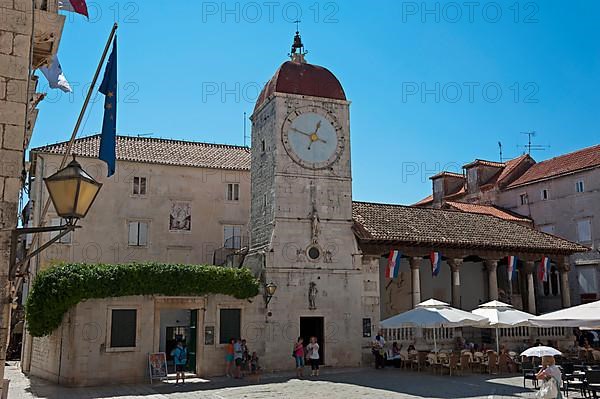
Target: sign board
{"points": [[209, 335], [157, 364]]}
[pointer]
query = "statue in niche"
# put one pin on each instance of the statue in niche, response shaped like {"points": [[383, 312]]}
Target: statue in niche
{"points": [[312, 295], [315, 228]]}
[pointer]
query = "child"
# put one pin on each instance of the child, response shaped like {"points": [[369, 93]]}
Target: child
{"points": [[254, 366]]}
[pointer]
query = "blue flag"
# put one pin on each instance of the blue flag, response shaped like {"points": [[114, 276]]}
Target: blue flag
{"points": [[108, 87]]}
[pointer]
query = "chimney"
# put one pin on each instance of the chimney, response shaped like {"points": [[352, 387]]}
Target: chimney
{"points": [[444, 184]]}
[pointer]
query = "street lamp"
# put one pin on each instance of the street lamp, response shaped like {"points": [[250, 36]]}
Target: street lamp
{"points": [[72, 191], [269, 292]]}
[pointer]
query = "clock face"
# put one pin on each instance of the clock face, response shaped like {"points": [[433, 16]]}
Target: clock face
{"points": [[312, 139]]}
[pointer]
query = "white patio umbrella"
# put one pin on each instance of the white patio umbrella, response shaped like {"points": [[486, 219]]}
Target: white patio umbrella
{"points": [[586, 315], [539, 351], [502, 315], [431, 314]]}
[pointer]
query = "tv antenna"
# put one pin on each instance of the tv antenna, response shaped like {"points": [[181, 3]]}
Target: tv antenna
{"points": [[530, 146], [500, 148], [245, 136], [145, 134]]}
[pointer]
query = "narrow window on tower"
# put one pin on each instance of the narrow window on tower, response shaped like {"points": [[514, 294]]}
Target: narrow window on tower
{"points": [[263, 146]]}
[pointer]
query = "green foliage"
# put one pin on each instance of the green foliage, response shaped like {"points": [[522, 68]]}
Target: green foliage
{"points": [[61, 287]]}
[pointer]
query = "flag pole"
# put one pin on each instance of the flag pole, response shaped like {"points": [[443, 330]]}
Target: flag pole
{"points": [[86, 102]]}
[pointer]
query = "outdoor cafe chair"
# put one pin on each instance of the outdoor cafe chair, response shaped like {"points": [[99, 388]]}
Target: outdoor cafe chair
{"points": [[529, 373], [491, 363], [504, 363], [452, 364], [592, 382], [571, 378], [478, 359], [412, 358], [466, 362]]}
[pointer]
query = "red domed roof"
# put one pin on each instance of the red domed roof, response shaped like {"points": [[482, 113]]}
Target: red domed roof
{"points": [[303, 79]]}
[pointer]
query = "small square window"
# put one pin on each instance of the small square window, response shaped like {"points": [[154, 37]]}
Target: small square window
{"points": [[545, 194], [138, 234], [139, 185], [524, 199], [123, 328], [579, 187], [233, 192]]}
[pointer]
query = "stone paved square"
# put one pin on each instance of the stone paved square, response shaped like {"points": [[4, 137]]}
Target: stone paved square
{"points": [[333, 384]]}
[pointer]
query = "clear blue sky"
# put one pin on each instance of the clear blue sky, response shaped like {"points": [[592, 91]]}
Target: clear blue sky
{"points": [[175, 59]]}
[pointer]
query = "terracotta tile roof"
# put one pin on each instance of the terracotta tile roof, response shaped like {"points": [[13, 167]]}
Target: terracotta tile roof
{"points": [[485, 163], [162, 151], [446, 173], [303, 79], [425, 201], [418, 226], [510, 166], [564, 164], [488, 210]]}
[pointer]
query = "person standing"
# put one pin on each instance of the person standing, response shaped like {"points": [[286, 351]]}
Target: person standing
{"points": [[229, 357], [312, 350], [299, 354], [551, 374], [238, 357], [377, 348], [179, 355]]}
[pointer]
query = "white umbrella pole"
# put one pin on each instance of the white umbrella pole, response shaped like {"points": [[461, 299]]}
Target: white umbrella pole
{"points": [[497, 342]]}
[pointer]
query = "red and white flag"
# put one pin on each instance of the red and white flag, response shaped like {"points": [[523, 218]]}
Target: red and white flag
{"points": [[77, 6]]}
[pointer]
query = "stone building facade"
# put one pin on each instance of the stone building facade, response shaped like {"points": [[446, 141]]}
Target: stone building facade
{"points": [[169, 201], [29, 38], [321, 249], [559, 196]]}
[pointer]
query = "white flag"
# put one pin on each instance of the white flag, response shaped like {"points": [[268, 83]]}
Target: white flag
{"points": [[55, 76]]}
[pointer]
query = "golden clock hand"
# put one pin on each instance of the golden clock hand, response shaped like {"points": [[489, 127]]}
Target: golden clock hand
{"points": [[318, 127], [301, 132]]}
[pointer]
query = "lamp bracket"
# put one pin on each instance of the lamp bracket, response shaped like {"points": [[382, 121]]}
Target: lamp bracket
{"points": [[14, 265]]}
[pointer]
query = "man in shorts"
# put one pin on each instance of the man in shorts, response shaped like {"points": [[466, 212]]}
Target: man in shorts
{"points": [[180, 359]]}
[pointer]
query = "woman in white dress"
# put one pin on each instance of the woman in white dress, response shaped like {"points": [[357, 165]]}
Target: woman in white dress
{"points": [[550, 371]]}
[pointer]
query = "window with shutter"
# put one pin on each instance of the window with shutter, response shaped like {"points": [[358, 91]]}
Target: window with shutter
{"points": [[584, 230], [138, 233], [123, 328], [230, 321]]}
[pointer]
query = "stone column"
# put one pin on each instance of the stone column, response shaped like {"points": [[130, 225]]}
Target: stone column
{"points": [[492, 266], [529, 269], [455, 265], [564, 267], [415, 264]]}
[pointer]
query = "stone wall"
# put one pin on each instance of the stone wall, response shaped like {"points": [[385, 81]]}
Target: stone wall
{"points": [[15, 35]]}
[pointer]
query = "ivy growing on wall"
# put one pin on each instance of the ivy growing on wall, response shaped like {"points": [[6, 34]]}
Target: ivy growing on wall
{"points": [[61, 287]]}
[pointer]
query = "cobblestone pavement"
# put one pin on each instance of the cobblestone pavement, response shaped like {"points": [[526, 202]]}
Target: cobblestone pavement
{"points": [[333, 384]]}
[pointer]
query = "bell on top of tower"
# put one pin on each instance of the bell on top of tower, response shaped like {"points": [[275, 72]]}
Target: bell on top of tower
{"points": [[298, 52]]}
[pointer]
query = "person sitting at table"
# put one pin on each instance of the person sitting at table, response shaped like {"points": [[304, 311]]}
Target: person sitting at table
{"points": [[410, 348], [509, 361], [396, 356]]}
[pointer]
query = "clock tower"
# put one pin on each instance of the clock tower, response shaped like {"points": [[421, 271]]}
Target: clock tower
{"points": [[301, 236]]}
